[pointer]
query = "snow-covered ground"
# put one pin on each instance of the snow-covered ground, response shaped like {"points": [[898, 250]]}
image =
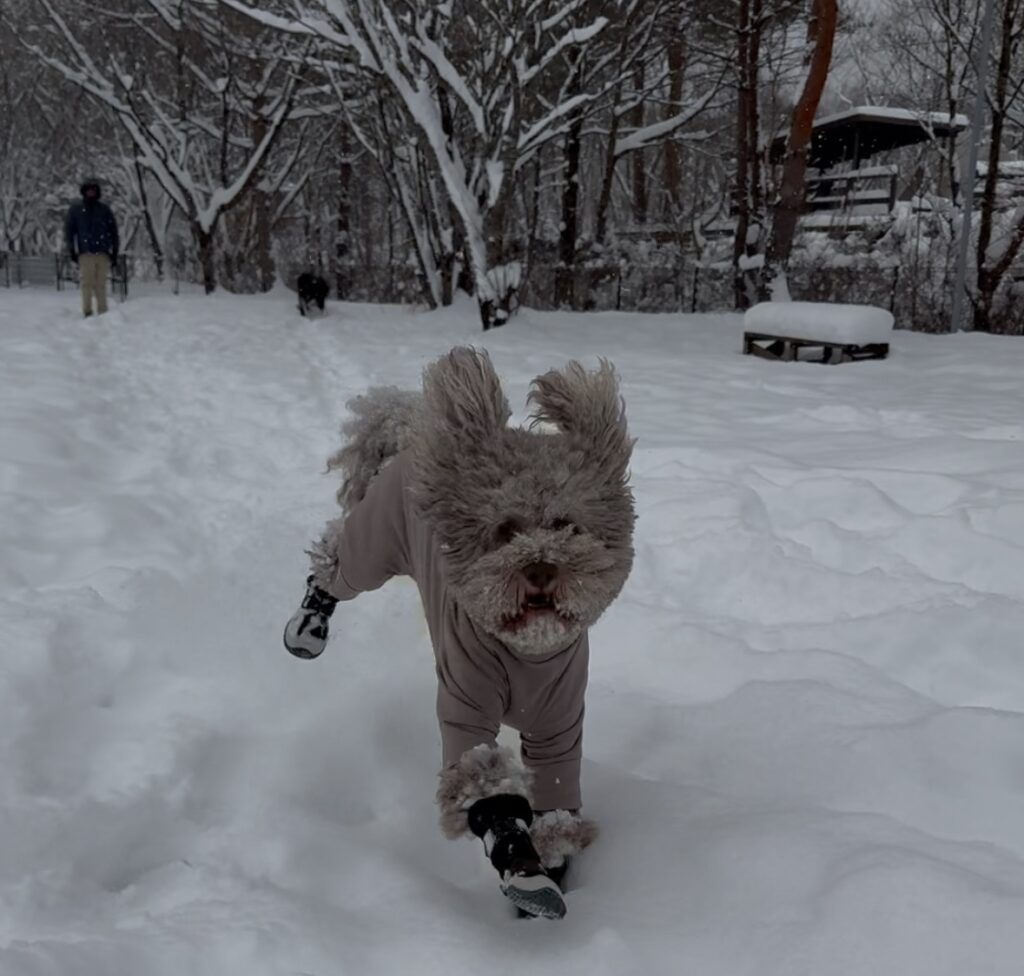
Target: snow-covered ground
{"points": [[805, 736]]}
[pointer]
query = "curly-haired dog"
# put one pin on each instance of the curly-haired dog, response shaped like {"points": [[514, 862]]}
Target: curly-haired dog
{"points": [[518, 540]]}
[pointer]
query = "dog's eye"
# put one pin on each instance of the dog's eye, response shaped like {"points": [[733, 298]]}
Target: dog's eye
{"points": [[561, 524], [508, 530]]}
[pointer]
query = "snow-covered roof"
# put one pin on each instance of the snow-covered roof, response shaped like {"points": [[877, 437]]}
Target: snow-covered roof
{"points": [[906, 116], [858, 133]]}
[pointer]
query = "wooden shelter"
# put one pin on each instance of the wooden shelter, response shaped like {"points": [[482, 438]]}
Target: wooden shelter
{"points": [[859, 133]]}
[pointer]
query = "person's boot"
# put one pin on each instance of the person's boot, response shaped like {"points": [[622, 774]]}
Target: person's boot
{"points": [[503, 823], [305, 634]]}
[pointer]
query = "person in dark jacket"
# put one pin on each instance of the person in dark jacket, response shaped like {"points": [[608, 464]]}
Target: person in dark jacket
{"points": [[91, 234]]}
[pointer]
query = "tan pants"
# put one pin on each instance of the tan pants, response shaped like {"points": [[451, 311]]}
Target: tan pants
{"points": [[92, 275]]}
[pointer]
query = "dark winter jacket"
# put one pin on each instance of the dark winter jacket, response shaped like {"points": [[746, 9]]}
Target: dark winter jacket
{"points": [[90, 227]]}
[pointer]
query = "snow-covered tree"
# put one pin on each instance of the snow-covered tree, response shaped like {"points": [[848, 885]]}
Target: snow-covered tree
{"points": [[475, 80], [38, 139], [786, 210], [1001, 236], [763, 60], [203, 94], [405, 163], [934, 45], [652, 93]]}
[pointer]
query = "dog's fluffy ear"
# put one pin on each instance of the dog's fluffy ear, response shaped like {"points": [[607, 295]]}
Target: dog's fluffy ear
{"points": [[463, 396], [586, 406]]}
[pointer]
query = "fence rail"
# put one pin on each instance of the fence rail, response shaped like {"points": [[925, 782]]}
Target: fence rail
{"points": [[915, 291], [638, 287], [870, 190], [57, 271]]}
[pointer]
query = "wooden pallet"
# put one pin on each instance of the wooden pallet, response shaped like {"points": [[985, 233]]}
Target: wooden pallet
{"points": [[786, 349]]}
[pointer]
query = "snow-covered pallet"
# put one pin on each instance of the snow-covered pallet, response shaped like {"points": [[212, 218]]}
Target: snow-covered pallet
{"points": [[830, 333]]}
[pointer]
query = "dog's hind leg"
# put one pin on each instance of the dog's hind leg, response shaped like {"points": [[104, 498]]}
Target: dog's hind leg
{"points": [[380, 427]]}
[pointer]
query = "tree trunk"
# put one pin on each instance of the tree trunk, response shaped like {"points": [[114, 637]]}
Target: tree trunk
{"points": [[446, 266], [154, 240], [821, 32], [758, 207], [565, 272], [951, 157], [264, 255], [497, 264], [746, 147], [533, 209], [990, 276], [343, 230], [207, 262], [441, 232], [464, 277], [673, 161], [607, 179], [983, 303], [639, 162], [261, 215]]}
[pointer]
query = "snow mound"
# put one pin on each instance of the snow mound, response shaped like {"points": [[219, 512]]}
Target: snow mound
{"points": [[805, 726], [853, 324]]}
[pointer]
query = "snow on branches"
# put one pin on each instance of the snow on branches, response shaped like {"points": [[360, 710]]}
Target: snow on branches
{"points": [[203, 118], [484, 84]]}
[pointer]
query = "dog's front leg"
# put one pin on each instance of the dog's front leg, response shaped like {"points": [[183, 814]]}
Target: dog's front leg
{"points": [[558, 830], [486, 792], [363, 549]]}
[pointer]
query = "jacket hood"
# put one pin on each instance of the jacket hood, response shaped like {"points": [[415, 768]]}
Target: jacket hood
{"points": [[91, 182]]}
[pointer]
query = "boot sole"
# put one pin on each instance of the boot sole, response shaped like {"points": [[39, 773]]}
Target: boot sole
{"points": [[298, 650], [535, 897]]}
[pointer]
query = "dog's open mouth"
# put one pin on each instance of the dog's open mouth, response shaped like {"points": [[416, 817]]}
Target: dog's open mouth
{"points": [[539, 602], [537, 606]]}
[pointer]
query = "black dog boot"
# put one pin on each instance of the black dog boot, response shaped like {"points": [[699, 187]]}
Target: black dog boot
{"points": [[305, 634], [503, 823]]}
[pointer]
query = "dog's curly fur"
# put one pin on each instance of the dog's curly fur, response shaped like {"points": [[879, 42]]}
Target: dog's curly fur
{"points": [[558, 834], [481, 772], [490, 770], [381, 425], [501, 498]]}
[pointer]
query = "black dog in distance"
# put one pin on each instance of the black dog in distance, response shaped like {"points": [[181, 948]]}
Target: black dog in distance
{"points": [[312, 291]]}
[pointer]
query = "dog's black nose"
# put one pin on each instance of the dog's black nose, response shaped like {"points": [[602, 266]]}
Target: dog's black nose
{"points": [[540, 575]]}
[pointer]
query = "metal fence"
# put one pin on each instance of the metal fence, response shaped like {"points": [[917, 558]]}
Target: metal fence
{"points": [[638, 287], [628, 287], [18, 270], [57, 271], [916, 292]]}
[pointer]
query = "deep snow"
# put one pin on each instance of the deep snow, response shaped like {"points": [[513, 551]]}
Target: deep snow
{"points": [[805, 739]]}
